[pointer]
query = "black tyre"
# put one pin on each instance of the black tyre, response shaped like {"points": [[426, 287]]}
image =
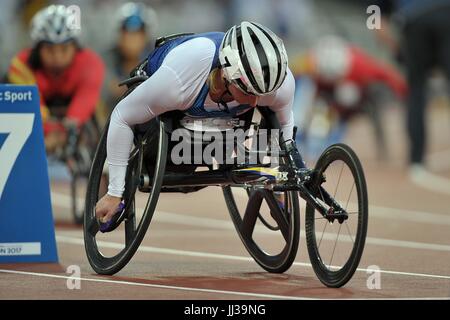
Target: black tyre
{"points": [[276, 256], [270, 233], [108, 257], [335, 247]]}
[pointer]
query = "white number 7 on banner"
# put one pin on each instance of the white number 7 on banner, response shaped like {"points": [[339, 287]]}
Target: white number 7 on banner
{"points": [[18, 126]]}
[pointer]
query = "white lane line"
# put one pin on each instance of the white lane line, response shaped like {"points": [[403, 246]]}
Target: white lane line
{"points": [[63, 200], [410, 215], [142, 248], [159, 286], [395, 213], [182, 219], [175, 218]]}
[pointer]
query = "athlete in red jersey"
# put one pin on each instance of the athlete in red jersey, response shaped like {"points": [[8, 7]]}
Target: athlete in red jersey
{"points": [[333, 62], [346, 81], [68, 76]]}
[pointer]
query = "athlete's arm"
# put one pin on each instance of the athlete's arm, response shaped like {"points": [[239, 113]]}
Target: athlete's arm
{"points": [[281, 102], [174, 86], [373, 70]]}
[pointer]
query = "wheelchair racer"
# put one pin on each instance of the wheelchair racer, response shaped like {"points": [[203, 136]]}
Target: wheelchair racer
{"points": [[68, 76], [136, 24], [346, 81], [335, 65], [205, 75]]}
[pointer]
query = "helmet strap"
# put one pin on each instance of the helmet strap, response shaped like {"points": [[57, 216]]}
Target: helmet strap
{"points": [[214, 88], [221, 102]]}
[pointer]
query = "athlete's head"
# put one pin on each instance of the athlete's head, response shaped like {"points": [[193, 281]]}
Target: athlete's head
{"points": [[54, 37], [136, 23], [253, 60]]}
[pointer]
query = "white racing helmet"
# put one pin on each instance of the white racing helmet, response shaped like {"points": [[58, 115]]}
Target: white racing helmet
{"points": [[332, 58], [54, 24], [253, 58]]}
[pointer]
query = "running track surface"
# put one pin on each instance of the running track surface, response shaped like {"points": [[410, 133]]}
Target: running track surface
{"points": [[192, 251]]}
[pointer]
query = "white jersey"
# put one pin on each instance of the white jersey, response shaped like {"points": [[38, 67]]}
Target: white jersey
{"points": [[176, 85]]}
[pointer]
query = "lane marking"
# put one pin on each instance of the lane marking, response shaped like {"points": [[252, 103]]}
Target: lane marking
{"points": [[187, 253], [187, 220], [159, 286], [395, 213], [63, 200], [410, 215], [175, 218]]}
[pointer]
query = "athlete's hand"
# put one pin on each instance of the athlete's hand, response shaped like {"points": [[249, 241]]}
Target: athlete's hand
{"points": [[70, 123], [54, 140], [106, 207]]}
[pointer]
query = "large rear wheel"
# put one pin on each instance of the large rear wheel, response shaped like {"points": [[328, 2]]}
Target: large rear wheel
{"points": [[108, 253], [267, 222]]}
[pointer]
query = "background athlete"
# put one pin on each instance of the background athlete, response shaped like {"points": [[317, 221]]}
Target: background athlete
{"points": [[69, 77], [136, 23]]}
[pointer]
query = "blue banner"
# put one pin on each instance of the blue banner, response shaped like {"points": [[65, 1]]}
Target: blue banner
{"points": [[26, 222]]}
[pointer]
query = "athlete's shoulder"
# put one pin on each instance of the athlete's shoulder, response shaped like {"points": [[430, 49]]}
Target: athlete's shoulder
{"points": [[214, 36], [19, 71], [23, 56], [202, 43], [194, 50]]}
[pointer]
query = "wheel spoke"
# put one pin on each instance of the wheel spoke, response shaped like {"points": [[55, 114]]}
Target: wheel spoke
{"points": [[346, 206], [264, 222], [349, 233], [339, 180], [130, 225], [348, 199], [323, 232], [277, 214], [334, 248], [251, 213]]}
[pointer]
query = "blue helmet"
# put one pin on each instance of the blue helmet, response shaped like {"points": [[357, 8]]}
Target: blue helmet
{"points": [[136, 16]]}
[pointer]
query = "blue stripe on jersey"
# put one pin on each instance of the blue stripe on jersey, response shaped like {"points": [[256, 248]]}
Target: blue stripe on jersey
{"points": [[158, 55], [197, 109]]}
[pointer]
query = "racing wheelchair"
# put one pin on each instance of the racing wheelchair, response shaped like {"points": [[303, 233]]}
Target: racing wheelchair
{"points": [[262, 199], [77, 155]]}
